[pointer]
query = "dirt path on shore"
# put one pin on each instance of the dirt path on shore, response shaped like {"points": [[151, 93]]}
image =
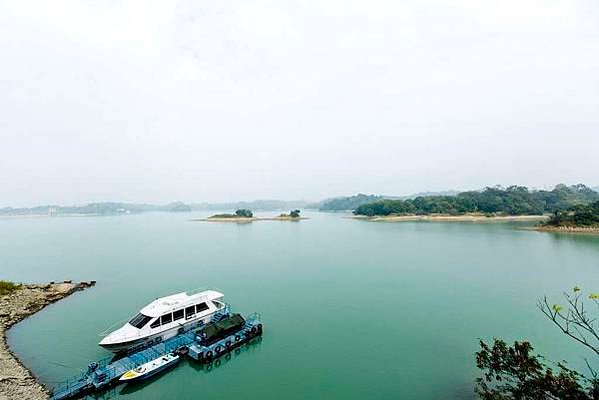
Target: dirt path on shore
{"points": [[16, 382]]}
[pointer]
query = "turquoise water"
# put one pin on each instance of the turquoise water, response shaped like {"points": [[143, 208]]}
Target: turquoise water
{"points": [[352, 309]]}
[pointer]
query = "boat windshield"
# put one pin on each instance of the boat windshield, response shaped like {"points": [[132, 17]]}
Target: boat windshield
{"points": [[140, 320]]}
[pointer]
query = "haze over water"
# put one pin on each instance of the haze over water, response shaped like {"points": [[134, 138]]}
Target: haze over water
{"points": [[352, 309], [158, 101]]}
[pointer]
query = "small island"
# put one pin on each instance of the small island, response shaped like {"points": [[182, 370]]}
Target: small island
{"points": [[294, 215], [241, 215], [577, 219], [245, 216]]}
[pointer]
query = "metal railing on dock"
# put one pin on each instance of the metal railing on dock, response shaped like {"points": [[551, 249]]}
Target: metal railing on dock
{"points": [[106, 371]]}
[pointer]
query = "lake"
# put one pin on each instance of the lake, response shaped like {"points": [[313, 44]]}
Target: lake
{"points": [[351, 309]]}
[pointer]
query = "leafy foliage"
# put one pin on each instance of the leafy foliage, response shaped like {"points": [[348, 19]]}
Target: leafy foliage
{"points": [[238, 214], [245, 213], [514, 200], [574, 320], [7, 287], [514, 372], [292, 214], [225, 215], [578, 215]]}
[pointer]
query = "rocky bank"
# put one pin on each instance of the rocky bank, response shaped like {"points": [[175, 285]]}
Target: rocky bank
{"points": [[16, 382]]}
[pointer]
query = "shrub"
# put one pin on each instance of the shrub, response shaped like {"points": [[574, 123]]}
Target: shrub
{"points": [[7, 287]]}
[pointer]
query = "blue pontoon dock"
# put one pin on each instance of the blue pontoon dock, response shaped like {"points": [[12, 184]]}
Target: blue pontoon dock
{"points": [[105, 373]]}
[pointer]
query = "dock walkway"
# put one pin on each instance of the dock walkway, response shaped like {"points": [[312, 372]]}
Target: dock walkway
{"points": [[107, 372]]}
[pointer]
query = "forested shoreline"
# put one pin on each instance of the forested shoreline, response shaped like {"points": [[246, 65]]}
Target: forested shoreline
{"points": [[513, 200], [581, 215]]}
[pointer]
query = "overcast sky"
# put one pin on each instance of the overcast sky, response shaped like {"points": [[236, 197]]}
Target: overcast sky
{"points": [[239, 100]]}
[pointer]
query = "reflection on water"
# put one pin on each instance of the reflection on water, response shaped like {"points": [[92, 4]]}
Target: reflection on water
{"points": [[588, 240], [246, 348]]}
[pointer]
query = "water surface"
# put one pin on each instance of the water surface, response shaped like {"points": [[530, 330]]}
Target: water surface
{"points": [[352, 309]]}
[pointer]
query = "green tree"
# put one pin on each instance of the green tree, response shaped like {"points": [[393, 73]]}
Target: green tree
{"points": [[515, 373], [578, 215], [245, 213], [7, 287]]}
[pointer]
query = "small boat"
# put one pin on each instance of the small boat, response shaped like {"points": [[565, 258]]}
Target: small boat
{"points": [[164, 318], [151, 368]]}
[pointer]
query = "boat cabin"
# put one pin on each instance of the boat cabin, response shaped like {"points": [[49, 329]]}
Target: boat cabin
{"points": [[163, 317], [178, 307]]}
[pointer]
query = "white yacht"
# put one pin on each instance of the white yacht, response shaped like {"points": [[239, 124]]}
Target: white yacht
{"points": [[163, 318]]}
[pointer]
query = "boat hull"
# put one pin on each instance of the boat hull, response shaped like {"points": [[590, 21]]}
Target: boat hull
{"points": [[119, 347], [132, 376]]}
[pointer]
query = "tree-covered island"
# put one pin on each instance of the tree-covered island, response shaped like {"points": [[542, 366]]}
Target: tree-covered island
{"points": [[492, 201], [293, 215], [239, 214], [245, 215], [578, 218]]}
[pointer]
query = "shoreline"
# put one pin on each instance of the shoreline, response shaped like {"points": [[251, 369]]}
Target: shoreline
{"points": [[450, 218], [16, 381], [241, 220], [590, 230]]}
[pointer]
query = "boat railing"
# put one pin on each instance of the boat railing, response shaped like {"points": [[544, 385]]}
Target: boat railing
{"points": [[203, 289], [221, 308], [254, 317], [108, 330], [109, 368]]}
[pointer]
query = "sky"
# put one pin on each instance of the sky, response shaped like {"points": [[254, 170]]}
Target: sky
{"points": [[238, 100]]}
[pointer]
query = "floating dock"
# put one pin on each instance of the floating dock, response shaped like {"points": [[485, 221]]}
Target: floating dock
{"points": [[105, 373]]}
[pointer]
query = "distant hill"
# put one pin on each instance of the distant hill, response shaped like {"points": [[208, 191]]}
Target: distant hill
{"points": [[350, 203], [118, 208], [259, 205], [560, 198], [178, 206], [106, 208], [423, 194]]}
